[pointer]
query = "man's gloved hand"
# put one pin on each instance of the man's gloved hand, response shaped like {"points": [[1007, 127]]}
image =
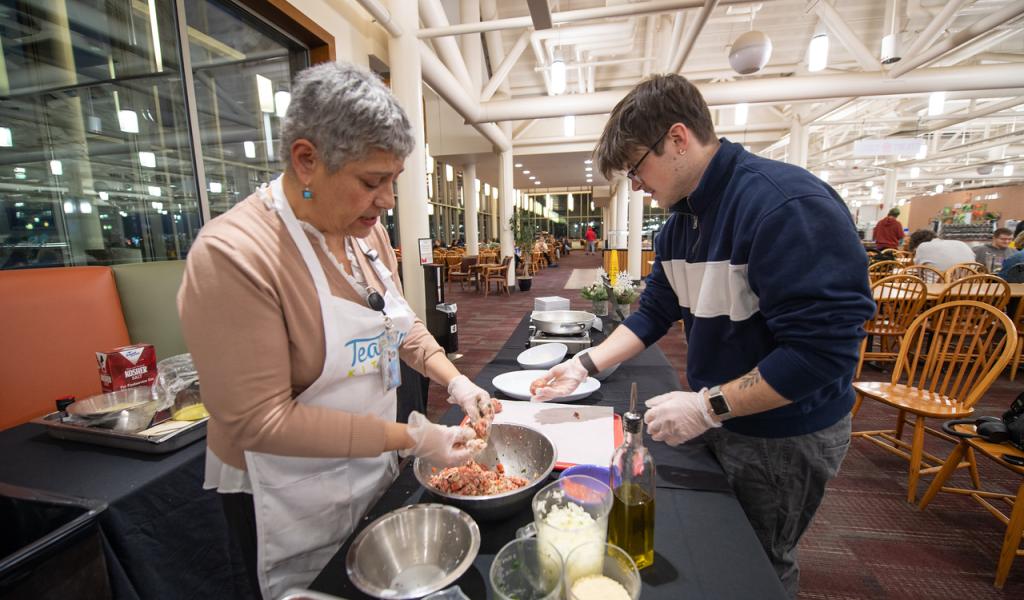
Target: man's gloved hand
{"points": [[678, 417], [561, 380], [440, 445], [471, 397]]}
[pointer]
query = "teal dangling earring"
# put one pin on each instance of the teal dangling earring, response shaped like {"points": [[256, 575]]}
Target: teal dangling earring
{"points": [[307, 194]]}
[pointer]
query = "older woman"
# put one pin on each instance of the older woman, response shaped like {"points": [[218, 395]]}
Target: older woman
{"points": [[296, 321]]}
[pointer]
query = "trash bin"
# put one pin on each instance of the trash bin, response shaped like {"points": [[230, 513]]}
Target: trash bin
{"points": [[450, 339], [51, 546]]}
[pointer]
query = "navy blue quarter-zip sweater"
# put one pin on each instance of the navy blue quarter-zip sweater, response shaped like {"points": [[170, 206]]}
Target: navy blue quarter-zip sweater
{"points": [[763, 264]]}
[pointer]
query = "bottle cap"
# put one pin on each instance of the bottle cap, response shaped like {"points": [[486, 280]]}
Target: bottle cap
{"points": [[632, 422]]}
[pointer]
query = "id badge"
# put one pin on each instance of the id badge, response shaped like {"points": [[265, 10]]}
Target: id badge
{"points": [[390, 363]]}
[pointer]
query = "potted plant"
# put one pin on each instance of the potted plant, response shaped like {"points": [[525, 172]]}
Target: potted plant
{"points": [[523, 233], [625, 291], [596, 293]]}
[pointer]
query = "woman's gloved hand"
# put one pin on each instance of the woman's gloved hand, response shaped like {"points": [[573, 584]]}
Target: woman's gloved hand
{"points": [[471, 397], [678, 417], [560, 380], [441, 445]]}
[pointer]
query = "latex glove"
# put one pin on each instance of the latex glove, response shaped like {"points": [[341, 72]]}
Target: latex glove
{"points": [[560, 380], [471, 397], [439, 445], [678, 417]]}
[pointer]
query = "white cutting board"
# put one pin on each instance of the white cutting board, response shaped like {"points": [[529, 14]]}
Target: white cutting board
{"points": [[581, 434]]}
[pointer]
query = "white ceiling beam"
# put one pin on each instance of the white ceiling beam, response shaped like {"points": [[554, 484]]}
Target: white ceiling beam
{"points": [[691, 36], [382, 16], [472, 46], [675, 39], [835, 23], [433, 15], [649, 28], [785, 89], [976, 46], [573, 16], [1001, 17], [495, 47], [440, 79], [935, 28], [501, 73]]}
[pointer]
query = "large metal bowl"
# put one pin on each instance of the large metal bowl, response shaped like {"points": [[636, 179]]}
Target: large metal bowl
{"points": [[562, 322], [524, 451], [413, 551]]}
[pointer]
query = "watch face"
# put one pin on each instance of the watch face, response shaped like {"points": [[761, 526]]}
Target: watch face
{"points": [[718, 405]]}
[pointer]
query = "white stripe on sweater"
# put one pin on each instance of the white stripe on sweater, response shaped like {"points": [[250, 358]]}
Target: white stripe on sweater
{"points": [[712, 289]]}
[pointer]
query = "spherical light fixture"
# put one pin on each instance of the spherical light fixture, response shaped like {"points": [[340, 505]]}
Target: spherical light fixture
{"points": [[750, 52]]}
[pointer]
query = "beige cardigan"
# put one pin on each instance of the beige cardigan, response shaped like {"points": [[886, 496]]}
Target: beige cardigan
{"points": [[252, 321]]}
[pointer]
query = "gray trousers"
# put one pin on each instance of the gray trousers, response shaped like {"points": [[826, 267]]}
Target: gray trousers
{"points": [[780, 483]]}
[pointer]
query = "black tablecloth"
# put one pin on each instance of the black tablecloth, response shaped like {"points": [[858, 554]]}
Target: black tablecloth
{"points": [[165, 537], [704, 546]]}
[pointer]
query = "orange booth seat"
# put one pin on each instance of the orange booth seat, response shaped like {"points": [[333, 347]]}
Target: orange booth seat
{"points": [[55, 320]]}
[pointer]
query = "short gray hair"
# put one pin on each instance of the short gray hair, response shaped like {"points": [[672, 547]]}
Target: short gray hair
{"points": [[346, 112]]}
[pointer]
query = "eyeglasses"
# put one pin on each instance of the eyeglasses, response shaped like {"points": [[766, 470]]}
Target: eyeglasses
{"points": [[632, 172]]}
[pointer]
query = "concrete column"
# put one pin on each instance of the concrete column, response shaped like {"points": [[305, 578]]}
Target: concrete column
{"points": [[505, 210], [471, 198], [636, 226], [406, 84], [798, 144], [621, 214], [606, 219], [889, 194]]}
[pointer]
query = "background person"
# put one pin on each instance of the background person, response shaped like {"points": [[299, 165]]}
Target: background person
{"points": [[772, 342], [888, 232], [293, 312], [995, 252], [940, 254]]}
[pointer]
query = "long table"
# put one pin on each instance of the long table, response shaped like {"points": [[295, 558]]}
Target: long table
{"points": [[164, 536], [704, 545]]}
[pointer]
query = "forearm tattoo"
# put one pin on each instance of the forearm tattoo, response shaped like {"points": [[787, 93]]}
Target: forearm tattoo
{"points": [[749, 380]]}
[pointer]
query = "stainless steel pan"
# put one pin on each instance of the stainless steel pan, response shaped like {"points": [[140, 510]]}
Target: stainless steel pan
{"points": [[562, 322]]}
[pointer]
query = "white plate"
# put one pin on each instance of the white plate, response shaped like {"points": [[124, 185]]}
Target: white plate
{"points": [[543, 356], [516, 384]]}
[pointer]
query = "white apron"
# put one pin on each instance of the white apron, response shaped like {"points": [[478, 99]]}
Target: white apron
{"points": [[305, 507]]}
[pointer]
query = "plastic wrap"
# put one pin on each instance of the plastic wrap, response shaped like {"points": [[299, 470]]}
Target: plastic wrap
{"points": [[177, 387]]}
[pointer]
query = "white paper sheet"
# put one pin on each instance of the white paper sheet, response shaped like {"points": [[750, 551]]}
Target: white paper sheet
{"points": [[581, 434]]}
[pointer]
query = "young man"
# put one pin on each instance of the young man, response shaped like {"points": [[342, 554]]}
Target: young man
{"points": [[889, 231], [762, 262], [941, 254], [992, 255]]}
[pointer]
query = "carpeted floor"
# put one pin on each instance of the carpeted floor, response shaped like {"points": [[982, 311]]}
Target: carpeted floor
{"points": [[866, 541]]}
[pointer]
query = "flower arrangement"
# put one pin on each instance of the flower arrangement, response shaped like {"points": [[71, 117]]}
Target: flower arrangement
{"points": [[594, 292], [625, 291]]}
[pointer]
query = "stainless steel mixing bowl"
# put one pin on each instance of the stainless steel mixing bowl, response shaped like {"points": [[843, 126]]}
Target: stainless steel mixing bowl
{"points": [[413, 551], [524, 451]]}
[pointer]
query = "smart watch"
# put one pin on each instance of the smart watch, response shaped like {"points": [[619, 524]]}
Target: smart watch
{"points": [[719, 406]]}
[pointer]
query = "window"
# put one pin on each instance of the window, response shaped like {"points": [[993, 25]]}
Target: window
{"points": [[98, 160]]}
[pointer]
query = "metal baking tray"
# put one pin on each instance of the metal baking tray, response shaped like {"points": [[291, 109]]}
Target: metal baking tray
{"points": [[156, 443]]}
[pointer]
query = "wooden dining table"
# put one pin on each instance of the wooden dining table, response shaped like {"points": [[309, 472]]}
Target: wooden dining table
{"points": [[935, 290]]}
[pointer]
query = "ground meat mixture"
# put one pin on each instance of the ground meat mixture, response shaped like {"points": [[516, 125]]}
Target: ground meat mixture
{"points": [[474, 480]]}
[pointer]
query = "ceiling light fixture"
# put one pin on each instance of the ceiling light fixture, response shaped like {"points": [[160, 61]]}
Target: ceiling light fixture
{"points": [[128, 121], [557, 76], [281, 101], [915, 172], [740, 114], [939, 188], [1007, 170], [265, 94], [56, 167], [569, 125], [936, 103], [750, 52], [250, 149], [817, 53], [147, 159], [519, 165]]}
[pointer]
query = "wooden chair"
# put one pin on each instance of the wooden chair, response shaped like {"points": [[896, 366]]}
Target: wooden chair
{"points": [[898, 300], [904, 257], [1014, 522], [941, 373], [980, 288], [964, 270], [925, 273], [882, 269], [498, 275], [458, 270]]}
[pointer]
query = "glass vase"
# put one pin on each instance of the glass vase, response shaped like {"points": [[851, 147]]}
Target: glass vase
{"points": [[600, 307]]}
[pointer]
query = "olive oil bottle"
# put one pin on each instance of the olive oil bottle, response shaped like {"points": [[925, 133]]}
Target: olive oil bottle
{"points": [[631, 522]]}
